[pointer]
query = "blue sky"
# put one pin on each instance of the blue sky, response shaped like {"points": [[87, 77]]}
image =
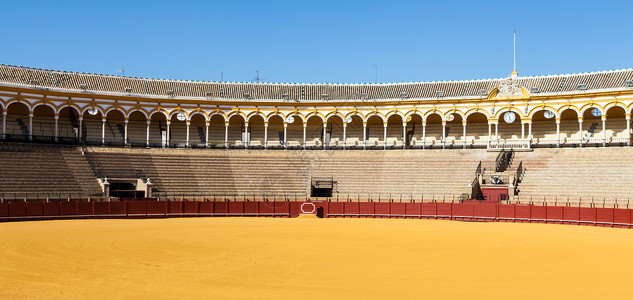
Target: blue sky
{"points": [[318, 41]]}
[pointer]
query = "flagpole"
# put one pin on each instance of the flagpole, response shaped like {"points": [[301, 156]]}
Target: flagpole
{"points": [[515, 50]]}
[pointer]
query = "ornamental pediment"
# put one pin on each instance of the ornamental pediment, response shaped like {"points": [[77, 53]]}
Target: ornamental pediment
{"points": [[509, 89]]}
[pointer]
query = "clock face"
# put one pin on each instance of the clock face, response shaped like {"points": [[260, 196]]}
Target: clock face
{"points": [[291, 119], [509, 117], [181, 116], [548, 114], [348, 120], [596, 112], [450, 117], [92, 111]]}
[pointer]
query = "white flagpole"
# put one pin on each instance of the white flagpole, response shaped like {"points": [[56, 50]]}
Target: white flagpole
{"points": [[515, 49]]}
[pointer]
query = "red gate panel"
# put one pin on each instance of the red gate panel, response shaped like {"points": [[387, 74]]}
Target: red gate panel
{"points": [[571, 214], [554, 214], [4, 210], [190, 208], [68, 208], [157, 208], [250, 208], [381, 209], [604, 215], [485, 211], [587, 214], [413, 209], [236, 208], [84, 209], [622, 216], [265, 208], [136, 207], [522, 212], [34, 209], [366, 208], [101, 208], [444, 209], [117, 208], [398, 210], [295, 209], [538, 214], [205, 208], [351, 208], [429, 209], [506, 212]]}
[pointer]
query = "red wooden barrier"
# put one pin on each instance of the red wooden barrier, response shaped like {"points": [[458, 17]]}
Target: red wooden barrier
{"points": [[85, 209], [174, 208], [588, 214], [190, 208], [366, 209], [236, 208], [554, 214], [250, 208], [222, 208], [294, 209], [398, 209], [538, 214], [429, 209], [4, 210], [156, 208], [205, 208], [265, 209], [282, 209], [604, 215], [51, 209], [443, 210], [522, 212], [101, 208], [34, 209], [506, 213], [68, 208], [485, 211], [382, 209], [621, 217], [351, 208], [413, 210], [117, 209], [571, 214], [463, 211], [136, 208]]}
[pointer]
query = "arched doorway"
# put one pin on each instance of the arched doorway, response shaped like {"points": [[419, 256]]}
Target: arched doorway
{"points": [[216, 131], [509, 126], [257, 131], [237, 137], [18, 122], [158, 130], [432, 131], [294, 132], [178, 130], [395, 133], [375, 132], [93, 126], [198, 131], [592, 127], [570, 133], [616, 128], [137, 129], [544, 128], [354, 132], [454, 130], [68, 125], [43, 124], [414, 131], [314, 132], [115, 128], [334, 132], [477, 130], [276, 132]]}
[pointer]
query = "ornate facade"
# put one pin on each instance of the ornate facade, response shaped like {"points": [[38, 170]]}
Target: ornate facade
{"points": [[520, 112]]}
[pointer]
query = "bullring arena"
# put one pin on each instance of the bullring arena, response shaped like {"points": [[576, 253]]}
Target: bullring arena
{"points": [[136, 187]]}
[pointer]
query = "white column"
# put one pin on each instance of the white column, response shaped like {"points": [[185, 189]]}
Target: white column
{"points": [[364, 135], [125, 131], [247, 139], [305, 125], [168, 135], [56, 127], [530, 131], [628, 129], [557, 132], [4, 124], [81, 128], [404, 135], [604, 131], [489, 132], [384, 144], [497, 131], [103, 122], [147, 133], [188, 123], [226, 134], [265, 134], [324, 133], [30, 125], [423, 134], [580, 131], [344, 135], [206, 134], [522, 130], [285, 135], [443, 134], [464, 133]]}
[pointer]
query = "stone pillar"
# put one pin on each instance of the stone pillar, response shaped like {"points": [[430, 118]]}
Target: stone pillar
{"points": [[285, 135], [344, 135], [168, 135], [404, 135], [324, 133], [246, 137], [305, 125], [103, 122], [384, 144], [265, 135], [56, 117], [187, 123], [30, 126], [125, 121], [148, 188], [557, 132], [364, 135], [496, 131], [443, 134], [206, 134], [604, 131], [628, 129], [530, 132], [522, 130], [582, 138], [81, 128], [4, 124], [464, 133], [423, 134], [226, 134], [106, 188], [148, 121]]}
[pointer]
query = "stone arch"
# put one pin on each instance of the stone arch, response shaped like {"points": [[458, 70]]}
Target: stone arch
{"points": [[236, 129], [395, 130], [589, 107], [375, 130], [615, 125], [115, 126], [476, 128], [197, 129], [17, 127], [314, 130], [256, 129], [374, 114], [334, 114], [454, 131], [137, 127], [509, 131], [414, 129], [334, 130], [504, 109], [477, 111], [254, 114], [217, 121], [276, 131], [43, 123], [68, 123]]}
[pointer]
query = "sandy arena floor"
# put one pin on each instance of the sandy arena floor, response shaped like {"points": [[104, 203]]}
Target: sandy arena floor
{"points": [[311, 258]]}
